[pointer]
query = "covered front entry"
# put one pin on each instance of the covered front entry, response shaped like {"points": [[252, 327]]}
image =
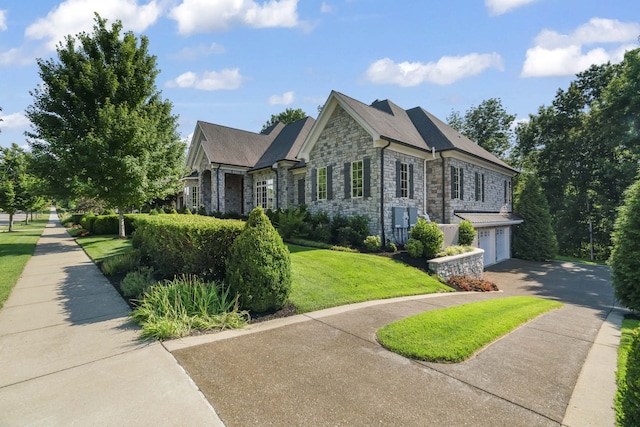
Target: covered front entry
{"points": [[233, 193]]}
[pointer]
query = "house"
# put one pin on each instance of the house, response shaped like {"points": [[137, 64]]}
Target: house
{"points": [[379, 160]]}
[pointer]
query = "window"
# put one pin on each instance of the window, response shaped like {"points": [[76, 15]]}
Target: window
{"points": [[264, 194], [479, 187], [356, 179], [195, 197], [507, 191], [404, 180], [322, 184], [457, 183]]}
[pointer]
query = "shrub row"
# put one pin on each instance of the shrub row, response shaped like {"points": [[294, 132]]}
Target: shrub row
{"points": [[628, 396], [185, 244], [103, 224]]}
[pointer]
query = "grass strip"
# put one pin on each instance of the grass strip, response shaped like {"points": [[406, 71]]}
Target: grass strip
{"points": [[324, 278], [15, 250], [629, 324], [456, 333], [101, 247]]}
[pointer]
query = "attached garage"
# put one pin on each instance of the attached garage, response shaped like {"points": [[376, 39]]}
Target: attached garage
{"points": [[493, 233]]}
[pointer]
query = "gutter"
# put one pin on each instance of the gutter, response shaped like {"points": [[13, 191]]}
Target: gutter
{"points": [[384, 240], [443, 188]]}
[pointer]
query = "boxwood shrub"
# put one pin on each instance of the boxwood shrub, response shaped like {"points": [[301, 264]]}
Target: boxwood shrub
{"points": [[183, 244], [108, 224]]}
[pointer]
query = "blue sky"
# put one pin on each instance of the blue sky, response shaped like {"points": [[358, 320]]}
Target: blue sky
{"points": [[236, 62]]}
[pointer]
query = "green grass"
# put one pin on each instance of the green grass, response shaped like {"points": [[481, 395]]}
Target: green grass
{"points": [[580, 260], [101, 247], [15, 250], [628, 326], [324, 278], [456, 333]]}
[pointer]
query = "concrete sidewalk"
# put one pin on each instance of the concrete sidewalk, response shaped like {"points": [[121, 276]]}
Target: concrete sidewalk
{"points": [[70, 356]]}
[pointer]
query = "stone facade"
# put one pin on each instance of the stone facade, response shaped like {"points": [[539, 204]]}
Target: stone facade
{"points": [[467, 264], [344, 140]]}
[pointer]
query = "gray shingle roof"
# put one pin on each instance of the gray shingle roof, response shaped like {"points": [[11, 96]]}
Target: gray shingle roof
{"points": [[234, 146], [286, 144], [416, 127], [480, 218]]}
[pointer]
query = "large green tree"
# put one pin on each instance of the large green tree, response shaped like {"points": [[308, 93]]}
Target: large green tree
{"points": [[100, 128], [14, 180], [488, 124], [625, 257], [585, 149], [287, 116]]}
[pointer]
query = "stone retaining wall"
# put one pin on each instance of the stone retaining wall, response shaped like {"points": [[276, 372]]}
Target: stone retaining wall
{"points": [[467, 264]]}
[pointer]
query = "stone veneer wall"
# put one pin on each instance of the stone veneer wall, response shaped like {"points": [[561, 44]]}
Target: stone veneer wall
{"points": [[344, 140], [467, 264]]}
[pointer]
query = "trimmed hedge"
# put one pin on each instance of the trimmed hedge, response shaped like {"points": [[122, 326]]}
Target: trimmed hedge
{"points": [[184, 244], [629, 392], [108, 224]]}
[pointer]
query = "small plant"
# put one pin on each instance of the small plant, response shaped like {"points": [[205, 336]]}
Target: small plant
{"points": [[454, 250], [391, 247], [373, 244], [466, 233], [137, 282], [173, 211], [415, 248], [121, 263], [153, 211], [471, 284], [291, 223], [202, 211], [429, 235], [187, 211], [176, 307], [343, 249]]}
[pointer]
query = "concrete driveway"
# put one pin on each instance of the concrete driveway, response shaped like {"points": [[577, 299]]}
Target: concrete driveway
{"points": [[326, 368]]}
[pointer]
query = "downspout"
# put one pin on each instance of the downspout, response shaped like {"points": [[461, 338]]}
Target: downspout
{"points": [[443, 189], [384, 240], [275, 168], [218, 187]]}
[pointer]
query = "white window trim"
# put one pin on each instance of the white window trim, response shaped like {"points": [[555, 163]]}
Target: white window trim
{"points": [[319, 194], [354, 188], [404, 180]]}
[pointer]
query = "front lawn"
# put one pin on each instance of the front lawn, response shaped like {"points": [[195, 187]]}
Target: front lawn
{"points": [[324, 278], [101, 247], [15, 250], [456, 333]]}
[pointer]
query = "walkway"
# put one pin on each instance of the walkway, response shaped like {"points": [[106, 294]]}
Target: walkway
{"points": [[70, 356]]}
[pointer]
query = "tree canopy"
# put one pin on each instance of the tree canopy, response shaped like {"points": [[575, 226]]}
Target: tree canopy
{"points": [[287, 116], [18, 188], [99, 126], [488, 125], [585, 150]]}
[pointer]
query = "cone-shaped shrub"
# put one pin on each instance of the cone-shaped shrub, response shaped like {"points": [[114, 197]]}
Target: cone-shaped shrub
{"points": [[466, 233], [259, 266], [534, 239], [625, 257]]}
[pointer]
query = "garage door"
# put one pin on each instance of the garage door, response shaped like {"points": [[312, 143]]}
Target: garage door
{"points": [[486, 241], [502, 243]]}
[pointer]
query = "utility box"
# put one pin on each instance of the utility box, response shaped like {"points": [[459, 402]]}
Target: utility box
{"points": [[413, 216], [400, 217]]}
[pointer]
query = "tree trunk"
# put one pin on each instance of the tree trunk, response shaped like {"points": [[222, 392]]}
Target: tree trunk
{"points": [[121, 230], [26, 218], [10, 222]]}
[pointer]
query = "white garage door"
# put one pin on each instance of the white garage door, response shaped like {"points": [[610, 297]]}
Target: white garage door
{"points": [[486, 241], [502, 243]]}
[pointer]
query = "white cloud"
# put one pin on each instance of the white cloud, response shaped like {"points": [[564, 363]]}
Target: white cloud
{"points": [[326, 8], [286, 98], [226, 79], [499, 7], [447, 70], [556, 54], [203, 16], [15, 56], [74, 16], [198, 52], [13, 121], [3, 20]]}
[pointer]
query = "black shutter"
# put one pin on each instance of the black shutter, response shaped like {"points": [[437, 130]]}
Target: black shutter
{"points": [[314, 184], [453, 182], [505, 191], [477, 175], [329, 182], [398, 178], [461, 184], [366, 172], [347, 180], [483, 187], [301, 191], [411, 181]]}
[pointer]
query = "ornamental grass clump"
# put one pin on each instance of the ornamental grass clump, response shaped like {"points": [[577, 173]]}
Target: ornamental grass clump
{"points": [[259, 266], [175, 308], [121, 263], [136, 283]]}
